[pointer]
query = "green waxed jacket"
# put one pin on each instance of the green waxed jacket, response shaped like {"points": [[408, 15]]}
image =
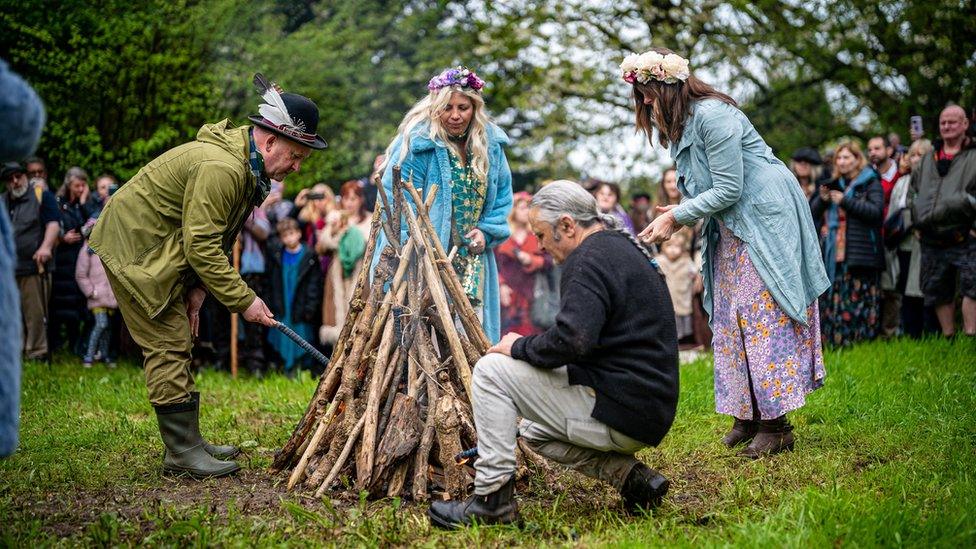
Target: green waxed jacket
{"points": [[172, 225]]}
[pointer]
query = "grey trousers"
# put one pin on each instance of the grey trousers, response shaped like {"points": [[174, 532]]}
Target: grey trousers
{"points": [[556, 424]]}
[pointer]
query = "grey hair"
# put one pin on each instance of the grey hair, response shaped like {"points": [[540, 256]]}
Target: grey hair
{"points": [[569, 198], [73, 172], [566, 197]]}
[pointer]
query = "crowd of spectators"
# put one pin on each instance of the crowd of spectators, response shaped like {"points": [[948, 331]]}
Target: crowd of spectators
{"points": [[896, 226]]}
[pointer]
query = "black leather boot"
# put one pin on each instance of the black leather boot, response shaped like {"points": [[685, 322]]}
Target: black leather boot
{"points": [[185, 454], [225, 451], [774, 436], [742, 431], [499, 507], [644, 489]]}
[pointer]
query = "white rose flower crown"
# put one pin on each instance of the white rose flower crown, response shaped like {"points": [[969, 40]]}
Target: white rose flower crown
{"points": [[643, 67]]}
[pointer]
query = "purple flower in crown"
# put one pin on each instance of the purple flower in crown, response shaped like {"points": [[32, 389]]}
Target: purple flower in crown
{"points": [[460, 76]]}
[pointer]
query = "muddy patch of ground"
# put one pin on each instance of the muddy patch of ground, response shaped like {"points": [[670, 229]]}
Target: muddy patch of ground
{"points": [[256, 492], [251, 492]]}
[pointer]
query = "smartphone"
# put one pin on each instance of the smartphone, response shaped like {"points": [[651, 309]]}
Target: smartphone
{"points": [[915, 123]]}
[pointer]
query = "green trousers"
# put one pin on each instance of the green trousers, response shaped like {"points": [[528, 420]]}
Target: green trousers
{"points": [[166, 345]]}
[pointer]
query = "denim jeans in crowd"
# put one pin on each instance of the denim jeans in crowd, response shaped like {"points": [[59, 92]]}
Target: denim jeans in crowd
{"points": [[101, 334]]}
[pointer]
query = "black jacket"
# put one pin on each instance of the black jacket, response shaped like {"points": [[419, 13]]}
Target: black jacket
{"points": [[865, 215], [65, 293], [615, 332], [307, 303]]}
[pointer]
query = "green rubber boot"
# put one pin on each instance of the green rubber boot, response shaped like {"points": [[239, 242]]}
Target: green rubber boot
{"points": [[179, 426], [223, 451]]}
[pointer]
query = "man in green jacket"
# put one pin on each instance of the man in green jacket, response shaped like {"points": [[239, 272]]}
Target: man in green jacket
{"points": [[165, 238]]}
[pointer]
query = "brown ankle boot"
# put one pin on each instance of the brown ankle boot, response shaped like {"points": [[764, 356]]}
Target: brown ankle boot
{"points": [[774, 436], [742, 431]]}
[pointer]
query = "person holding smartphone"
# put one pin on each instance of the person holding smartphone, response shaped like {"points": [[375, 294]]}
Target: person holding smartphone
{"points": [[850, 212]]}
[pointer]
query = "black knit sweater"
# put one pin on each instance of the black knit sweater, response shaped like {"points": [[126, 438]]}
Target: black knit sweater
{"points": [[615, 332]]}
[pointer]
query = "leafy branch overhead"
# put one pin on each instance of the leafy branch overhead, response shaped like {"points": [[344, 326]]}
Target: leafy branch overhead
{"points": [[124, 81]]}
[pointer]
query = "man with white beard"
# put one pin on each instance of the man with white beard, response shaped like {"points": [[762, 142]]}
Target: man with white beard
{"points": [[36, 222]]}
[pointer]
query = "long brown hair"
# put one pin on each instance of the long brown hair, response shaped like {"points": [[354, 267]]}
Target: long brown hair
{"points": [[671, 105], [662, 194]]}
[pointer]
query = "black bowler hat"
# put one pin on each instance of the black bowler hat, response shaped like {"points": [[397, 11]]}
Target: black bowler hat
{"points": [[10, 168], [808, 155], [289, 115]]}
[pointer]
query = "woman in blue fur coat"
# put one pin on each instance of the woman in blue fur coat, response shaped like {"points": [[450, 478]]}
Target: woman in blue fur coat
{"points": [[448, 139]]}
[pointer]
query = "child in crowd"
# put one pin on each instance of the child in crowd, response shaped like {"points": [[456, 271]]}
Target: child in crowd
{"points": [[295, 283], [91, 278], [680, 272]]}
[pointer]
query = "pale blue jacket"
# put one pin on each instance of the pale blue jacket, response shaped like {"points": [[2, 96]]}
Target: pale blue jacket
{"points": [[726, 172], [428, 163], [10, 335]]}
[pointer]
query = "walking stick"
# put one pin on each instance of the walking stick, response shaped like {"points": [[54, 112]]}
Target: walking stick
{"points": [[233, 316], [306, 346]]}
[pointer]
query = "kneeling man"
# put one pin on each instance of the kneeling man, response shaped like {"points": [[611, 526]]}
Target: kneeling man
{"points": [[596, 387]]}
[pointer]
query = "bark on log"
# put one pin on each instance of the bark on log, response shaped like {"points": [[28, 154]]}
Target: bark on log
{"points": [[469, 319], [365, 458], [329, 382], [401, 437], [447, 427], [341, 460], [441, 305], [421, 459]]}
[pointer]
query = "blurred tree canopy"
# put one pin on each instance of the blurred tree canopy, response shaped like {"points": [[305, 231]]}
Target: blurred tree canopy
{"points": [[808, 71], [364, 64], [123, 81]]}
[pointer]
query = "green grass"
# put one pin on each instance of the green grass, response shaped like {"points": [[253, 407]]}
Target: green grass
{"points": [[885, 455]]}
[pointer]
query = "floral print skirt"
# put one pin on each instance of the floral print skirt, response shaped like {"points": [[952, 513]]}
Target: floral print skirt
{"points": [[852, 306], [765, 362]]}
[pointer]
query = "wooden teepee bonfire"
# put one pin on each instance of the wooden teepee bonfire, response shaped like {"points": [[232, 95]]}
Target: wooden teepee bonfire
{"points": [[398, 385]]}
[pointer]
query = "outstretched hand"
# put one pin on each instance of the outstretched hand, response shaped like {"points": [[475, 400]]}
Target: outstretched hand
{"points": [[662, 227]]}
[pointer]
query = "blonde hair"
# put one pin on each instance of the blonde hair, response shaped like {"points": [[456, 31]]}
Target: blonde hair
{"points": [[429, 110], [685, 235], [921, 146], [309, 213], [516, 199], [853, 148]]}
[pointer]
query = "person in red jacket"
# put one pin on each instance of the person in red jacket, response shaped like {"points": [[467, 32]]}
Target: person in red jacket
{"points": [[520, 259]]}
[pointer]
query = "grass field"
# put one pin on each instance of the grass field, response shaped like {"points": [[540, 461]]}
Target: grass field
{"points": [[885, 455]]}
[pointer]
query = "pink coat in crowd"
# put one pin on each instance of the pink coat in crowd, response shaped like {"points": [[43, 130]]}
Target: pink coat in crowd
{"points": [[93, 282]]}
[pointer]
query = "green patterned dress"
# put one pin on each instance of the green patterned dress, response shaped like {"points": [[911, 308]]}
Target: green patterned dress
{"points": [[468, 199]]}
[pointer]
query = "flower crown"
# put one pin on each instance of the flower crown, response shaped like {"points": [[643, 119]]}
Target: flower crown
{"points": [[643, 67], [460, 76]]}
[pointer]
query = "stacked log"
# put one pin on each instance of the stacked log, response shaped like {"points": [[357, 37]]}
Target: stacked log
{"points": [[393, 409]]}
